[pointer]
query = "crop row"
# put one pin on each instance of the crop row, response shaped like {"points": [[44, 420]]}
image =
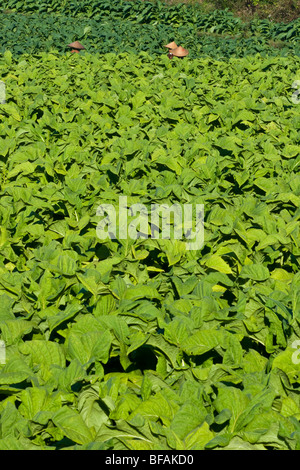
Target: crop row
{"points": [[39, 32], [138, 11], [141, 344]]}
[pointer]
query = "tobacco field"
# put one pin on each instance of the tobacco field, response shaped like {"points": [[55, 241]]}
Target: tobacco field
{"points": [[141, 344]]}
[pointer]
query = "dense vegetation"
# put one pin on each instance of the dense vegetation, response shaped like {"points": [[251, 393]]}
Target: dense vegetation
{"points": [[142, 344], [163, 11], [218, 34]]}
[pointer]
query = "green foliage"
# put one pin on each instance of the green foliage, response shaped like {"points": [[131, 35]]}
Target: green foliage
{"points": [[137, 10], [140, 344], [126, 26], [218, 34]]}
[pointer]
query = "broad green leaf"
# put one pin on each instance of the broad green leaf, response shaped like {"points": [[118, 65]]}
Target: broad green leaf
{"points": [[15, 443], [93, 345], [187, 418], [198, 438], [141, 292], [12, 110], [92, 285], [290, 407], [43, 352], [217, 263], [25, 168], [288, 361], [233, 399], [234, 353], [63, 316], [90, 410], [15, 370], [203, 341], [162, 346], [72, 425], [35, 399], [13, 330], [256, 272], [157, 407], [65, 265], [13, 423]]}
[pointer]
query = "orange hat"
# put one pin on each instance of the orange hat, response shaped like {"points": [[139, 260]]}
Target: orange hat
{"points": [[172, 45], [179, 52], [76, 45]]}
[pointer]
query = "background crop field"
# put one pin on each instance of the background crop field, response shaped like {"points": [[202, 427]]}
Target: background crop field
{"points": [[141, 344]]}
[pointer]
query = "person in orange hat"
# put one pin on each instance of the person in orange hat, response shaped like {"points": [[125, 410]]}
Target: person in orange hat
{"points": [[178, 52], [76, 46], [171, 45]]}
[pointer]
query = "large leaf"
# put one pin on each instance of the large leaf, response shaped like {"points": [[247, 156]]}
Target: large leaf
{"points": [[203, 341], [72, 425], [44, 353]]}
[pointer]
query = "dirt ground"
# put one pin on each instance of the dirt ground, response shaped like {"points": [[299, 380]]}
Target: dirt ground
{"points": [[274, 10]]}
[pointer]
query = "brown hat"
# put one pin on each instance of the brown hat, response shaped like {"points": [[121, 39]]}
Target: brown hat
{"points": [[76, 45], [179, 52], [172, 45]]}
